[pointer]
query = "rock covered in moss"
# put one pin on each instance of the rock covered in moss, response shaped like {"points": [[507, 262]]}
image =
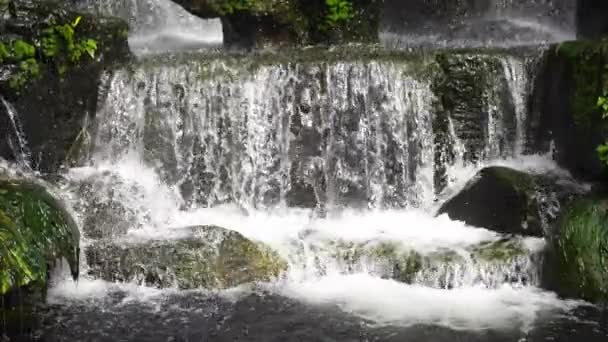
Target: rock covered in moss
{"points": [[580, 252], [35, 231], [288, 22], [209, 257], [490, 263], [509, 201], [55, 93], [571, 79]]}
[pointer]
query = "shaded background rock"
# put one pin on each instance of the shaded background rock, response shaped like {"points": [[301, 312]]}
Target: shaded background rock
{"points": [[510, 202], [571, 78]]}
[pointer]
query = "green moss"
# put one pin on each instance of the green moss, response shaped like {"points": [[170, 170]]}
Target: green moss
{"points": [[581, 249], [587, 60], [502, 250], [215, 258], [34, 232]]}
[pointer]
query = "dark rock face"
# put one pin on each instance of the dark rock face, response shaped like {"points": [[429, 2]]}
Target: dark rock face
{"points": [[571, 79], [591, 18], [510, 202], [55, 109]]}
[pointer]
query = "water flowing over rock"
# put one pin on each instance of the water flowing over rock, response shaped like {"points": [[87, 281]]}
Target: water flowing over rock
{"points": [[261, 135]]}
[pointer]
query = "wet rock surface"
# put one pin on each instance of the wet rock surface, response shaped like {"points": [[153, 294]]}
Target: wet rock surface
{"points": [[510, 202], [211, 257]]}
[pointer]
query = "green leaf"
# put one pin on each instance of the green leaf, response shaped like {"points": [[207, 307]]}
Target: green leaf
{"points": [[23, 50], [76, 21], [4, 53]]}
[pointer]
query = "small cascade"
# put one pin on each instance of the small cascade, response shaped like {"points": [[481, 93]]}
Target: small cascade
{"points": [[278, 137], [331, 163], [159, 25], [16, 137]]}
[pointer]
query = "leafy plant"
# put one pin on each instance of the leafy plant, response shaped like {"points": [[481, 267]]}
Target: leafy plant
{"points": [[55, 37], [338, 11], [57, 44]]}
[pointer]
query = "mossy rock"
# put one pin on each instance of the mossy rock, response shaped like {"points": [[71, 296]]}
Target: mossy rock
{"points": [[509, 202], [572, 78], [256, 23], [35, 231], [210, 257], [56, 104], [581, 251], [507, 260]]}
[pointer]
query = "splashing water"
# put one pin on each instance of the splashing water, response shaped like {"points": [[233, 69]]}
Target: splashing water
{"points": [[160, 25]]}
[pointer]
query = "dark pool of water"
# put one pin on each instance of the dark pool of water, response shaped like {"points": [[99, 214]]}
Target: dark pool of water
{"points": [[265, 318]]}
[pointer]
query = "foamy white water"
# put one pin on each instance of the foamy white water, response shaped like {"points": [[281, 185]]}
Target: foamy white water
{"points": [[388, 302], [160, 25]]}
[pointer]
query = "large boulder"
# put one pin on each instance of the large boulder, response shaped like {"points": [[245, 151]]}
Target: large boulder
{"points": [[578, 260], [52, 85], [510, 202], [208, 257], [35, 232]]}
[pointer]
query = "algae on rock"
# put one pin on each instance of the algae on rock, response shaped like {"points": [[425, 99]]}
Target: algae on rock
{"points": [[208, 257], [581, 251]]}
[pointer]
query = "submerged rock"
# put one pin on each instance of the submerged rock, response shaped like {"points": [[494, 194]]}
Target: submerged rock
{"points": [[490, 264], [579, 255], [209, 257], [509, 202], [35, 231]]}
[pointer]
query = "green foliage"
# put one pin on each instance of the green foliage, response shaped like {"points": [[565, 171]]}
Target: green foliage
{"points": [[28, 69], [57, 44], [23, 50], [339, 11], [232, 6], [582, 251], [4, 52], [34, 232], [61, 38], [602, 150]]}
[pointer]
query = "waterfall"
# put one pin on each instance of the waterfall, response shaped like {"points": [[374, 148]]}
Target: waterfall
{"points": [[298, 152], [277, 137], [159, 25], [16, 139]]}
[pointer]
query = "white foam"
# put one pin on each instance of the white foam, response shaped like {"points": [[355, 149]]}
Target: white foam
{"points": [[391, 303]]}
